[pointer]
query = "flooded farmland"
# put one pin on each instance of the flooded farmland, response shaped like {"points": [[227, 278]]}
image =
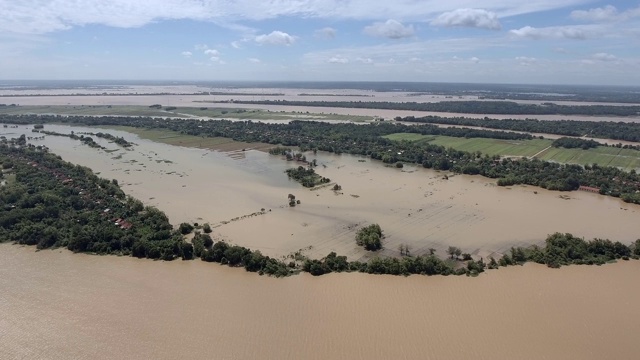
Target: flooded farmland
{"points": [[243, 195], [59, 305]]}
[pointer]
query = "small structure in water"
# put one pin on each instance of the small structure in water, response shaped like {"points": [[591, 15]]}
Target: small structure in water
{"points": [[589, 189]]}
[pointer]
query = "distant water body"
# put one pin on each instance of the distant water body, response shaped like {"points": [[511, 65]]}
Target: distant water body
{"points": [[356, 85]]}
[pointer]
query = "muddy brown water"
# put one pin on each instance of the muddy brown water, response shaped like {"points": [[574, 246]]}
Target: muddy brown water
{"points": [[59, 305], [414, 206]]}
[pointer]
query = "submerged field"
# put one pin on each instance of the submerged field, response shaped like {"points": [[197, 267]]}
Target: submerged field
{"points": [[414, 206], [627, 159]]}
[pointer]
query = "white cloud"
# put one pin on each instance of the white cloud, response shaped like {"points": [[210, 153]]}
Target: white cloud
{"points": [[236, 45], [364, 60], [325, 33], [577, 32], [478, 18], [186, 53], [605, 14], [275, 38], [526, 61], [212, 52], [254, 60], [43, 16], [391, 29], [474, 60], [603, 57], [338, 60], [201, 47]]}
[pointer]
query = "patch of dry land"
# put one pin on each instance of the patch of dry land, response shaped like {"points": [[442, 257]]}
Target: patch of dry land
{"points": [[59, 305], [414, 206]]}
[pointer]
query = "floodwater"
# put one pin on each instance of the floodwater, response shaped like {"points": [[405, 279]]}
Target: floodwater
{"points": [[414, 206], [182, 99], [59, 305]]}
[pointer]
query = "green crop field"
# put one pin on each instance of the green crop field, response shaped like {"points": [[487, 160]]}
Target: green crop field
{"points": [[485, 146], [606, 156]]}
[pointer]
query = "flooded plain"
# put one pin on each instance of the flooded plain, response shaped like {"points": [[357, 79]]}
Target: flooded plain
{"points": [[59, 305], [181, 97], [243, 195]]}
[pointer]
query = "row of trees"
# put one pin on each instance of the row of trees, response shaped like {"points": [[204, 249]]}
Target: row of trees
{"points": [[468, 107], [627, 131]]}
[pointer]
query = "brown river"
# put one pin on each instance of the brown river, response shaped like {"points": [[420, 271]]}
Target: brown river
{"points": [[59, 305]]}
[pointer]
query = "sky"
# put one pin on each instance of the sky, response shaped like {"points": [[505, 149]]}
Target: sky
{"points": [[469, 41]]}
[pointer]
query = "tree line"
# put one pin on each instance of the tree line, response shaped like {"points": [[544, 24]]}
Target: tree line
{"points": [[467, 107], [627, 131]]}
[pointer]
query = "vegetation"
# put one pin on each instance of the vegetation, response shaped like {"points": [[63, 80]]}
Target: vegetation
{"points": [[367, 140], [628, 131], [572, 143], [468, 107], [307, 177], [370, 237]]}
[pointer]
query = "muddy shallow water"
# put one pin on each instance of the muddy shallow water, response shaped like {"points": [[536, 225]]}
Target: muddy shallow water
{"points": [[414, 206], [59, 305]]}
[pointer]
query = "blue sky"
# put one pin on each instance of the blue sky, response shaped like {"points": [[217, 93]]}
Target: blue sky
{"points": [[496, 41]]}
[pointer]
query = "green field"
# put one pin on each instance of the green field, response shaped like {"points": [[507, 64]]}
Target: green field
{"points": [[181, 112], [606, 156]]}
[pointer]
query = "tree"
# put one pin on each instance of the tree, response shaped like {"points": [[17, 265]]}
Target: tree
{"points": [[454, 252]]}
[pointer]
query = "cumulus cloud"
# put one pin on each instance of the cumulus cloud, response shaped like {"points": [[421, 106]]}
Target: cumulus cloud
{"points": [[186, 53], [43, 16], [275, 38], [391, 29], [365, 60], [579, 32], [236, 45], [325, 33], [474, 60], [478, 18], [338, 60], [212, 52], [607, 13]]}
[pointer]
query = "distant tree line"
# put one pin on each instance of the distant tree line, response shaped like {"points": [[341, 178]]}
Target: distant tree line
{"points": [[468, 107], [627, 131]]}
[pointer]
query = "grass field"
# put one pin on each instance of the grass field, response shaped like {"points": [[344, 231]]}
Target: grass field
{"points": [[177, 139], [606, 156]]}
